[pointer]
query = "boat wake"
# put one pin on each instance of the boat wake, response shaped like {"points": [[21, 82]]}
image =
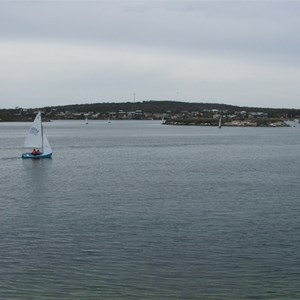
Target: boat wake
{"points": [[10, 158]]}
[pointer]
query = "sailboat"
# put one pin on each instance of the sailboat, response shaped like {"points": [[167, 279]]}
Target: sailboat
{"points": [[220, 122], [86, 121], [36, 139]]}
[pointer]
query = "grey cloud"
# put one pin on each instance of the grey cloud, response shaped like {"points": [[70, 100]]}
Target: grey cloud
{"points": [[263, 34], [230, 27]]}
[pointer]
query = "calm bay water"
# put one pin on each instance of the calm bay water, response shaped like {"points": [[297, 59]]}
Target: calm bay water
{"points": [[138, 210]]}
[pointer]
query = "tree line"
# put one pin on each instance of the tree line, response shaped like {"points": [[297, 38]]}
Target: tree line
{"points": [[172, 107]]}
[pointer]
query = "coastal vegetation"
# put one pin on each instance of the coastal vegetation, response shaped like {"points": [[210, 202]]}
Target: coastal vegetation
{"points": [[173, 112], [266, 122]]}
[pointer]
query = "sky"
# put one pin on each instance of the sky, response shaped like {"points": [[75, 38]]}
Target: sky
{"points": [[240, 52]]}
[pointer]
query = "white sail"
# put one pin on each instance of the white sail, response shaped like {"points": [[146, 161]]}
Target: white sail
{"points": [[220, 122], [34, 136], [46, 146]]}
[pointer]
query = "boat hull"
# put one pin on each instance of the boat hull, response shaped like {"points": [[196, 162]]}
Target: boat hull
{"points": [[29, 155]]}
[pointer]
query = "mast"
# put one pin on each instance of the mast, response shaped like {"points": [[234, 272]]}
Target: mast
{"points": [[42, 132]]}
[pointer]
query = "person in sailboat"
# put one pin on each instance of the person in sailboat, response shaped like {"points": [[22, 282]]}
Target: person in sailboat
{"points": [[36, 152]]}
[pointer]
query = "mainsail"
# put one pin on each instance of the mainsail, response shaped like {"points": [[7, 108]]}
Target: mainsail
{"points": [[34, 137]]}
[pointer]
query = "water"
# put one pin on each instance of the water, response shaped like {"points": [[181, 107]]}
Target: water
{"points": [[138, 210]]}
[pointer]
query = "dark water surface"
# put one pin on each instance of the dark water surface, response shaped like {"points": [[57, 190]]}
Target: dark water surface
{"points": [[138, 210]]}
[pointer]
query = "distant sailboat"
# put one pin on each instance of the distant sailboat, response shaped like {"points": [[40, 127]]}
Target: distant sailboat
{"points": [[86, 121], [163, 120], [220, 122], [37, 141]]}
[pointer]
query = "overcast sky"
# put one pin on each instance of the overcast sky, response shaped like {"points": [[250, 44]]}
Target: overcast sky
{"points": [[244, 53]]}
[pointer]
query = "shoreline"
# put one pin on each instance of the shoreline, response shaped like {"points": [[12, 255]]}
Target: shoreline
{"points": [[234, 123]]}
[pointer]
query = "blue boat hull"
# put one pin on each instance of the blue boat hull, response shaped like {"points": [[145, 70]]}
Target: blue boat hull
{"points": [[29, 155]]}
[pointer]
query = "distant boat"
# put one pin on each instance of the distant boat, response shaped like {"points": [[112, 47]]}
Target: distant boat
{"points": [[220, 122], [86, 121], [163, 120], [36, 140]]}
